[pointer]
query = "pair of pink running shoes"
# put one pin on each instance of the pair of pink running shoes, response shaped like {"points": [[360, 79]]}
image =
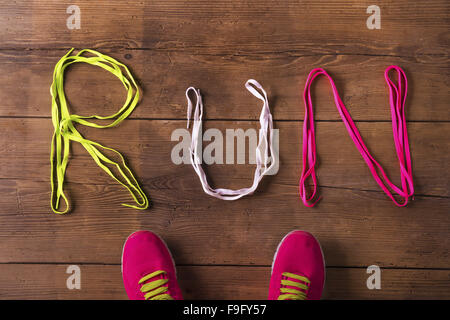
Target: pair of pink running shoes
{"points": [[298, 269]]}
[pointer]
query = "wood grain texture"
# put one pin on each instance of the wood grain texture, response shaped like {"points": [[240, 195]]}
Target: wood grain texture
{"points": [[225, 248], [409, 28], [148, 149], [217, 232], [164, 77], [217, 282], [364, 229]]}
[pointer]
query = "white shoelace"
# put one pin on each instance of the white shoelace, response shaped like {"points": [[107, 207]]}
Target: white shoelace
{"points": [[262, 152]]}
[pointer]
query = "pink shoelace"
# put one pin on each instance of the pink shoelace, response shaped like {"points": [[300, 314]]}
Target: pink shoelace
{"points": [[397, 99]]}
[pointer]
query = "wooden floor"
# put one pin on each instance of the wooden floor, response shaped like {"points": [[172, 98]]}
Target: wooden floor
{"points": [[224, 249]]}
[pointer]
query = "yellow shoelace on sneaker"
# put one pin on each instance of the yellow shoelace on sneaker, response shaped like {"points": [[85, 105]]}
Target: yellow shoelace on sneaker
{"points": [[291, 293], [64, 129], [155, 290]]}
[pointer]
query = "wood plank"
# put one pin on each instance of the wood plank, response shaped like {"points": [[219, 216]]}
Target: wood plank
{"points": [[26, 76], [19, 281], [409, 28], [214, 231], [355, 228], [225, 248], [148, 148]]}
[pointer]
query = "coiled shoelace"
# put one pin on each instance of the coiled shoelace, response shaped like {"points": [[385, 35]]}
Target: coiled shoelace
{"points": [[397, 99], [264, 150], [64, 129], [155, 289]]}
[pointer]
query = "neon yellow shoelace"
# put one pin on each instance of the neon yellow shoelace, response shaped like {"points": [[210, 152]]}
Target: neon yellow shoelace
{"points": [[291, 293], [64, 129], [155, 290]]}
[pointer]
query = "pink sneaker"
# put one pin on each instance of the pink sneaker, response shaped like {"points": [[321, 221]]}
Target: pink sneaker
{"points": [[298, 269], [148, 269]]}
